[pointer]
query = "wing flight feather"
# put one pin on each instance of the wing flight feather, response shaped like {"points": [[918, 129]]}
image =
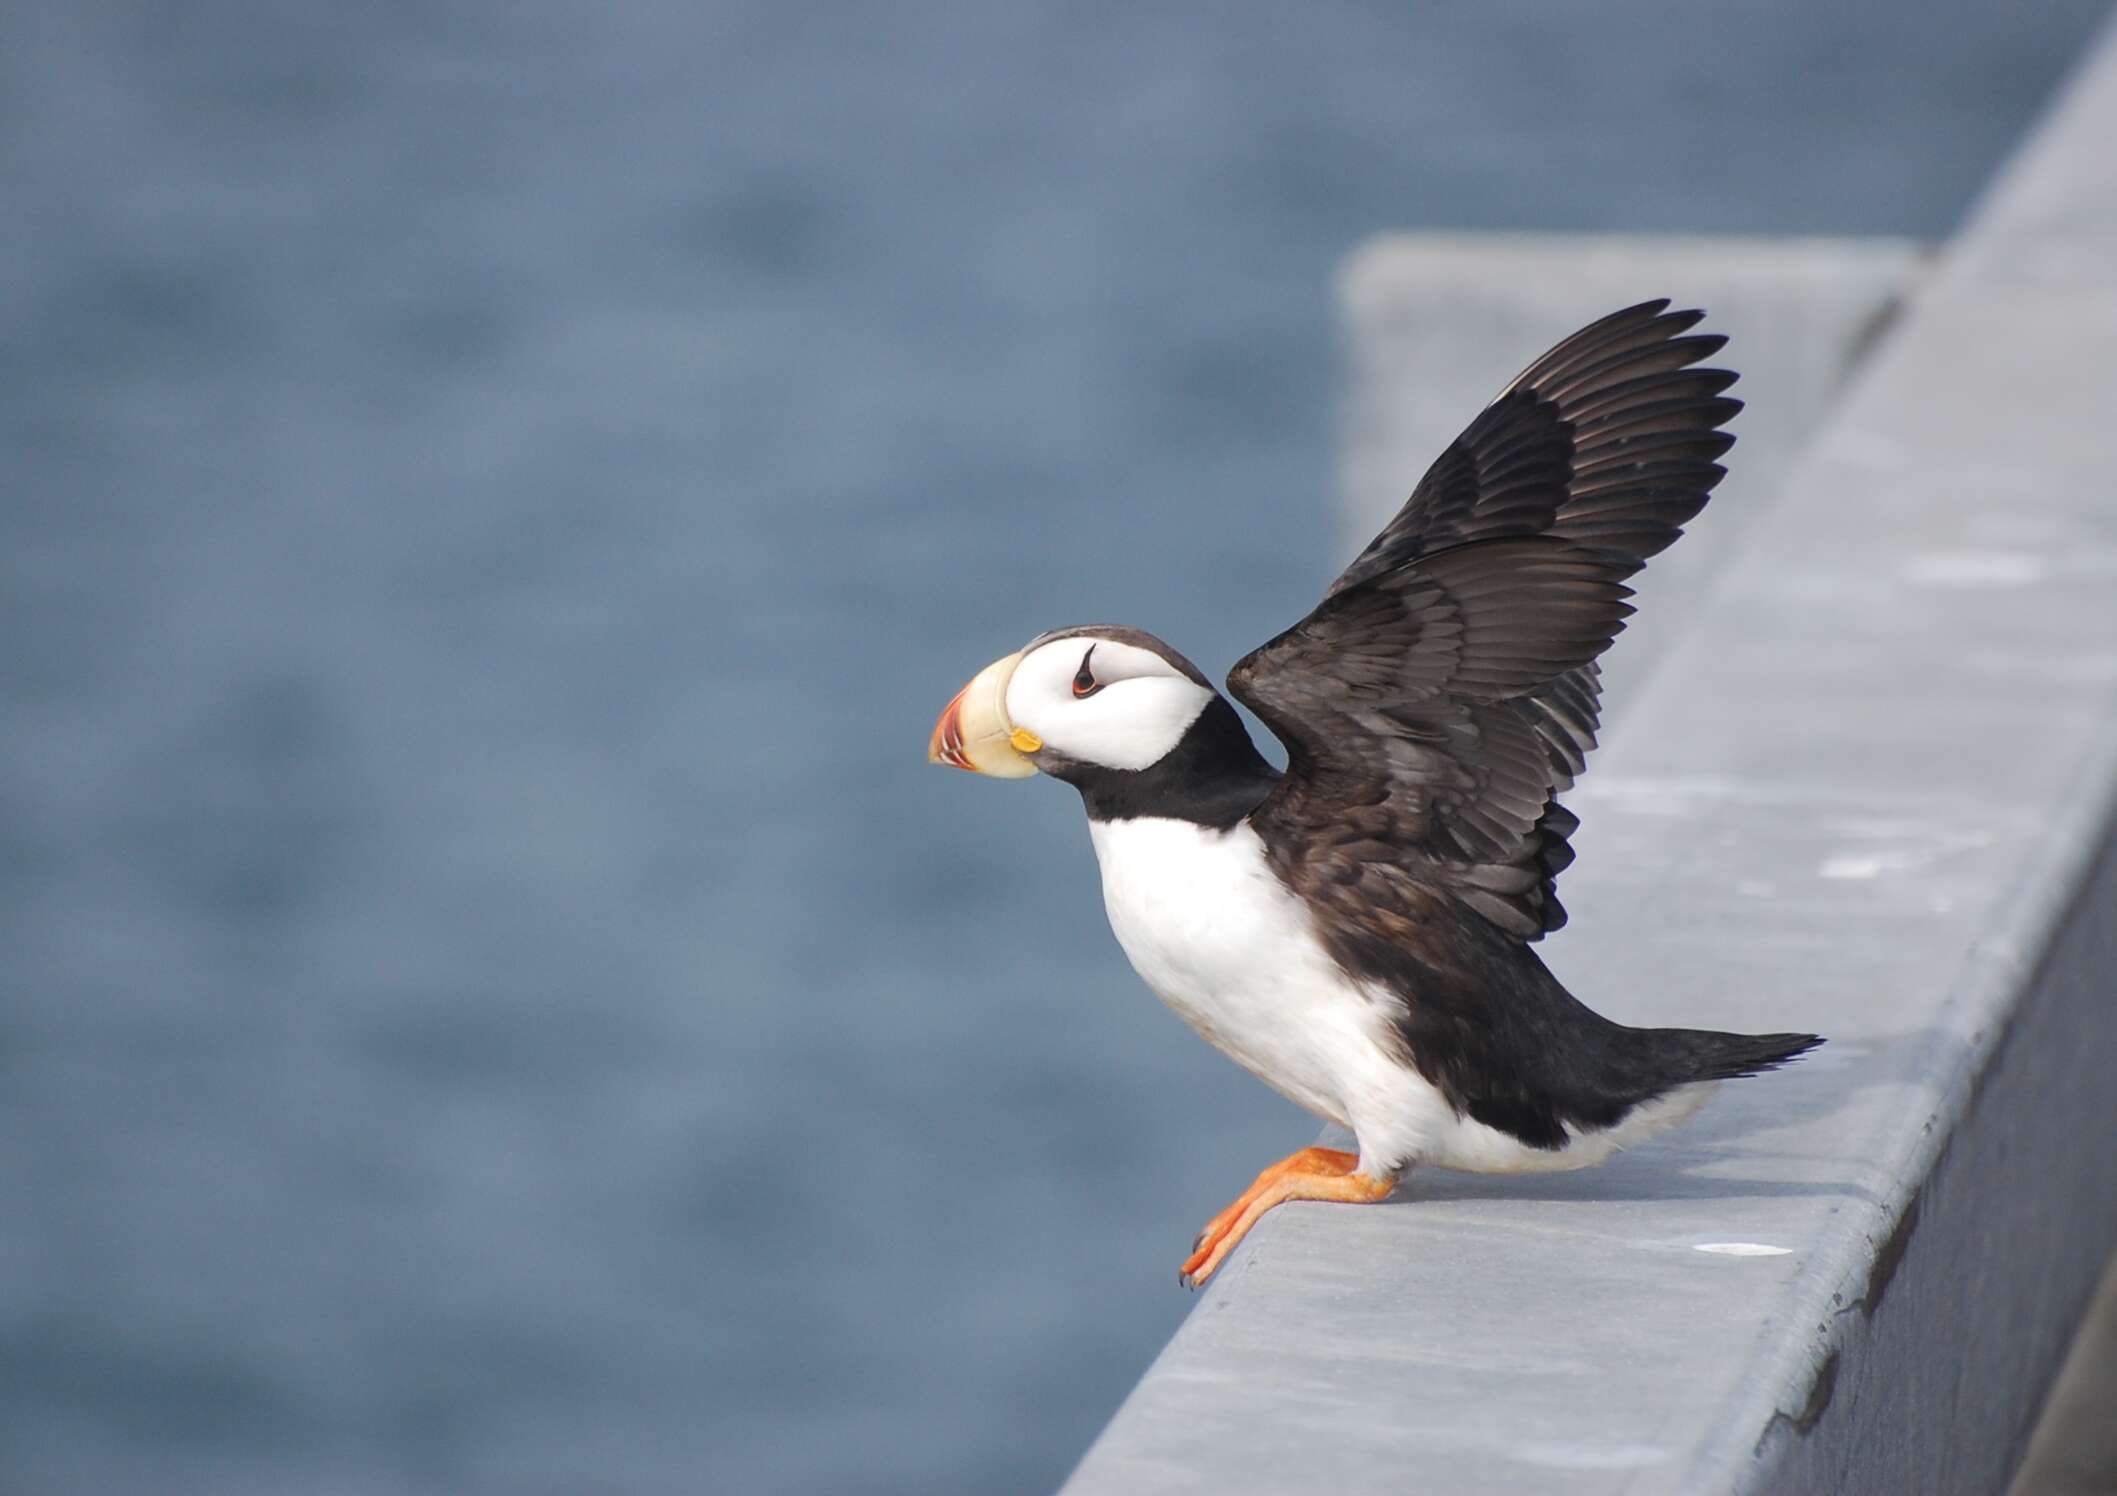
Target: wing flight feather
{"points": [[1445, 692]]}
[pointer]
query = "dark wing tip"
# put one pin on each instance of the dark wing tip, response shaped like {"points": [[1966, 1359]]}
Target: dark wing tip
{"points": [[1623, 336]]}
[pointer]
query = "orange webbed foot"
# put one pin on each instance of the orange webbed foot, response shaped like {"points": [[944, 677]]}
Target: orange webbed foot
{"points": [[1311, 1174]]}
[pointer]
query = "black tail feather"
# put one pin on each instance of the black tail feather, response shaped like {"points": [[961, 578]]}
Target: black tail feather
{"points": [[1702, 1054]]}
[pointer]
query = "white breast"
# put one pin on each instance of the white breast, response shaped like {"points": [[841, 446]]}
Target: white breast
{"points": [[1217, 936], [1225, 944]]}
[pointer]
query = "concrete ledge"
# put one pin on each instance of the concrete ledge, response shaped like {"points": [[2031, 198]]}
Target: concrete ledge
{"points": [[1868, 791]]}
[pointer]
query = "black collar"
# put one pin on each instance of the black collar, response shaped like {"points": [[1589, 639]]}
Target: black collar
{"points": [[1214, 776]]}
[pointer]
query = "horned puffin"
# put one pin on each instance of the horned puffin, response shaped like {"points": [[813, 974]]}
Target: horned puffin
{"points": [[1358, 931]]}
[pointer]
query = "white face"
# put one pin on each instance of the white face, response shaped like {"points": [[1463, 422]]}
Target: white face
{"points": [[1103, 702]]}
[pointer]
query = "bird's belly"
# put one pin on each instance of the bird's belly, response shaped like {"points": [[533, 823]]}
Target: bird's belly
{"points": [[1219, 939]]}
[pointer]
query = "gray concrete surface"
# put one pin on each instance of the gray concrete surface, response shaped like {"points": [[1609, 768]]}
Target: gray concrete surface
{"points": [[1868, 791]]}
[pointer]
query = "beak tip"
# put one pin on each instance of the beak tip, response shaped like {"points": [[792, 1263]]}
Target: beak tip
{"points": [[973, 732], [946, 745]]}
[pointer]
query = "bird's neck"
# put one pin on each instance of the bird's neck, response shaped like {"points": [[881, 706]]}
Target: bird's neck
{"points": [[1214, 776]]}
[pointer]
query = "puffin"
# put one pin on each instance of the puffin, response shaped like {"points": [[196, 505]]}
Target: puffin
{"points": [[1358, 930]]}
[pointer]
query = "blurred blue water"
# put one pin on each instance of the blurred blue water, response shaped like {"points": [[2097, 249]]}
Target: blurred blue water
{"points": [[491, 998]]}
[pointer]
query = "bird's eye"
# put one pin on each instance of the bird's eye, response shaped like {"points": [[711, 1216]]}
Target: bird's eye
{"points": [[1084, 679]]}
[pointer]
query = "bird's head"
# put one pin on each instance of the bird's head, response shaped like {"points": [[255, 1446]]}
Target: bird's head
{"points": [[1079, 699]]}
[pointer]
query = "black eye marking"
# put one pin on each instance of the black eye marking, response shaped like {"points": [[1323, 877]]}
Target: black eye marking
{"points": [[1084, 679]]}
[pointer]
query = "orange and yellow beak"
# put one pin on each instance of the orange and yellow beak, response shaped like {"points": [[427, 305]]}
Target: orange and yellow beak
{"points": [[974, 732]]}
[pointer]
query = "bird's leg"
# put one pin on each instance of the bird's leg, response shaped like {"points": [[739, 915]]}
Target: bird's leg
{"points": [[1311, 1174], [1307, 1161]]}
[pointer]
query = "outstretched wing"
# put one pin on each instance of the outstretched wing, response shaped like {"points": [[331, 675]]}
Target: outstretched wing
{"points": [[1445, 693], [1608, 440]]}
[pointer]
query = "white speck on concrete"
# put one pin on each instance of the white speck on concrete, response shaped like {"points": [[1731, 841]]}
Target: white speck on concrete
{"points": [[1741, 1249], [1604, 1457]]}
